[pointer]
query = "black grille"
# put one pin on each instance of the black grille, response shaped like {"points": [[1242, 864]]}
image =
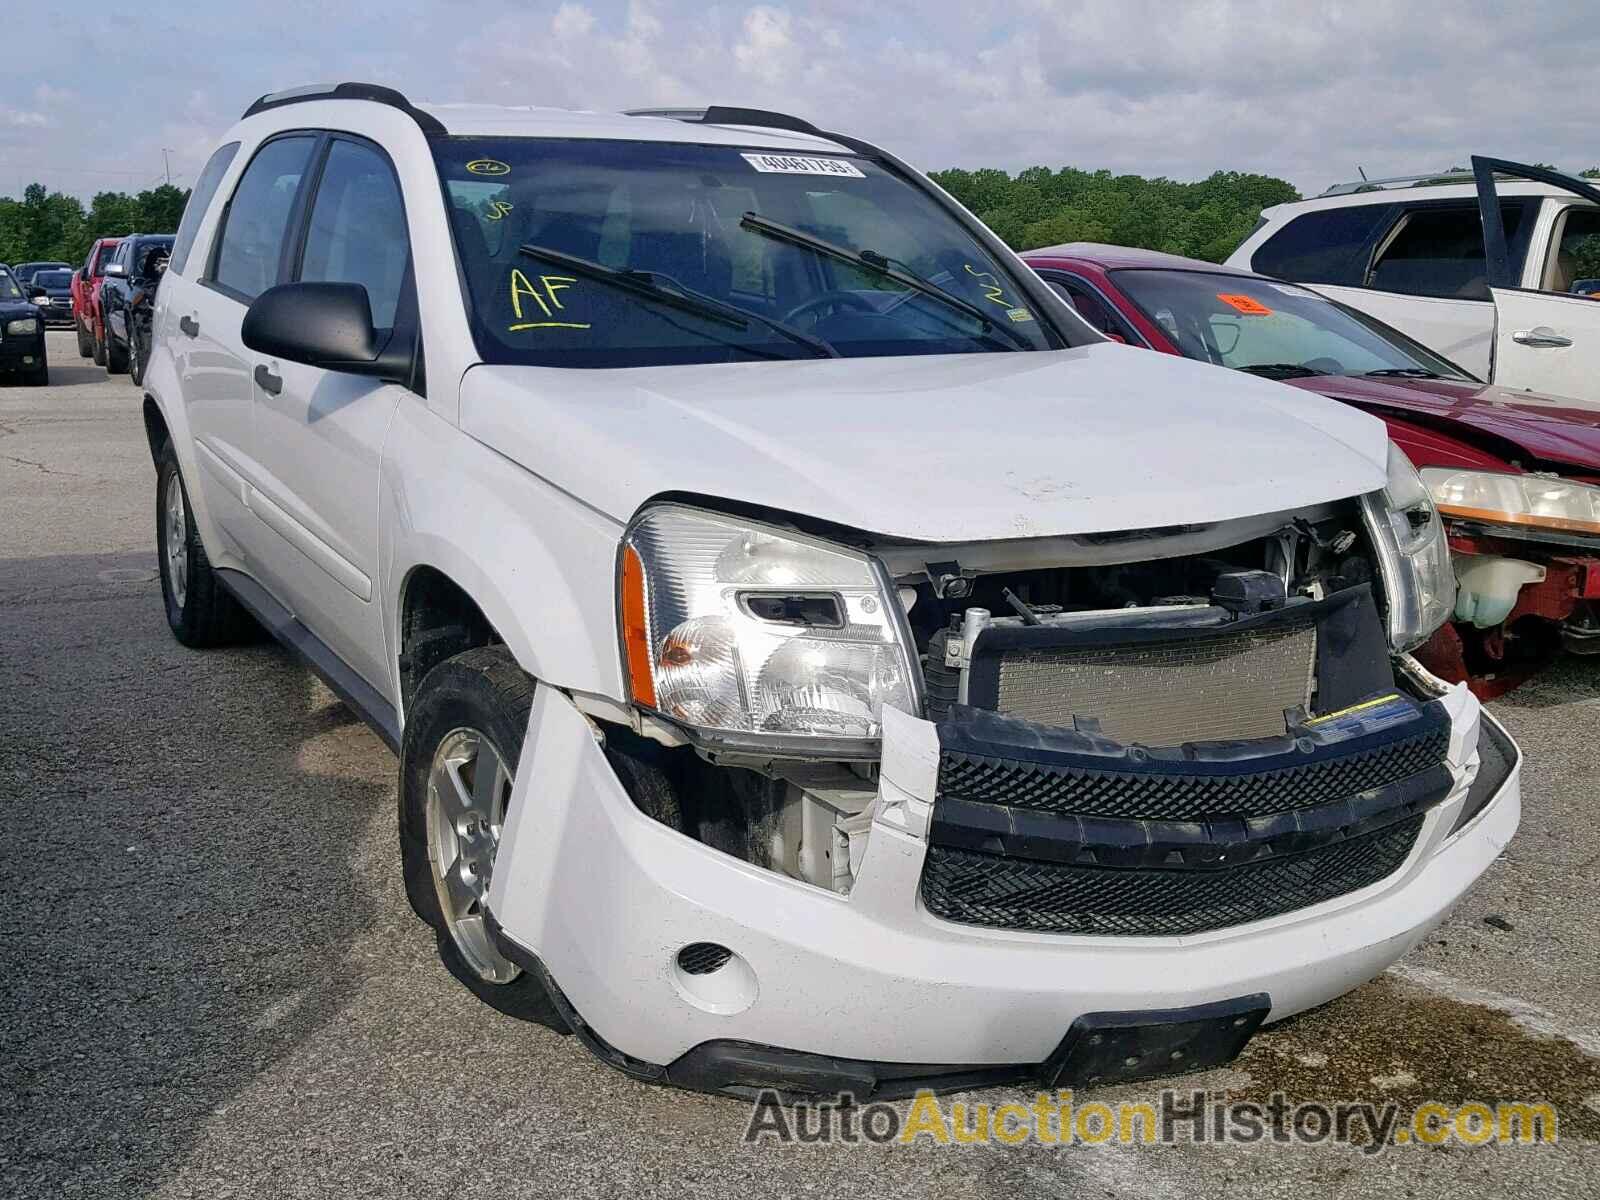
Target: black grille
{"points": [[1011, 893], [1186, 795], [702, 958]]}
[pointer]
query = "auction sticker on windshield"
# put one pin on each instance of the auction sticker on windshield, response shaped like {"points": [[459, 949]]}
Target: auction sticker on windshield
{"points": [[1248, 305], [795, 164]]}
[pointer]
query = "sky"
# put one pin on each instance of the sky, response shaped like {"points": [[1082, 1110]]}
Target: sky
{"points": [[1307, 91]]}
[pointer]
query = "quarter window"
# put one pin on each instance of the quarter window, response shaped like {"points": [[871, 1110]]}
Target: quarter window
{"points": [[257, 220], [1328, 246], [358, 229], [199, 200]]}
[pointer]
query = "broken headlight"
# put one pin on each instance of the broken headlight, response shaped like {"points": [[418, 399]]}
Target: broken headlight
{"points": [[1412, 554], [747, 629]]}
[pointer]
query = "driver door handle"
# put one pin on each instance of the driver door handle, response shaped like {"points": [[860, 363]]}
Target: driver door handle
{"points": [[190, 327], [267, 381], [1542, 338]]}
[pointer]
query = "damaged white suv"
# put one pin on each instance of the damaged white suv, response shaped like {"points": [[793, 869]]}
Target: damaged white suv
{"points": [[818, 661]]}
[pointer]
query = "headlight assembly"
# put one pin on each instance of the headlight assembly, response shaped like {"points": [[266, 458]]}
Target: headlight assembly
{"points": [[1501, 498], [756, 634], [1413, 555], [23, 327]]}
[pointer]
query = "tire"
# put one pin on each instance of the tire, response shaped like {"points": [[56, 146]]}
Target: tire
{"points": [[39, 376], [138, 354], [477, 700], [99, 352], [116, 356], [85, 339], [200, 611]]}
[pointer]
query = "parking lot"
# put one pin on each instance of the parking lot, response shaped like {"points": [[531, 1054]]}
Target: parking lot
{"points": [[212, 985]]}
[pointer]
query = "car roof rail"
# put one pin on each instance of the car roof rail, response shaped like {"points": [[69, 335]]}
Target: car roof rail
{"points": [[1425, 179], [374, 92], [722, 114]]}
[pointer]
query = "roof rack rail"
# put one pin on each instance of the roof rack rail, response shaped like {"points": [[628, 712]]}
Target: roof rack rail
{"points": [[1375, 185], [721, 114], [374, 92]]}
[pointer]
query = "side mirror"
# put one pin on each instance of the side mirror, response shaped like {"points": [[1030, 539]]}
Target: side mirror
{"points": [[35, 292], [327, 325], [117, 270]]}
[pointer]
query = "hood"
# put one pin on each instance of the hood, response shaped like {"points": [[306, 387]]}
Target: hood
{"points": [[12, 309], [1556, 429], [948, 448]]}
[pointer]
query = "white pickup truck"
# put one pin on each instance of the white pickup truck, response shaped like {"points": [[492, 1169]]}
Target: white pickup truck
{"points": [[1496, 270]]}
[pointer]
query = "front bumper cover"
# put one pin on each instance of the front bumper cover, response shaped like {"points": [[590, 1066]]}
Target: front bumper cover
{"points": [[871, 993]]}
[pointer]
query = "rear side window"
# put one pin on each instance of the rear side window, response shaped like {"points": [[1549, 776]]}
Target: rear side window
{"points": [[1439, 252], [257, 220], [199, 200], [1328, 246], [358, 228]]}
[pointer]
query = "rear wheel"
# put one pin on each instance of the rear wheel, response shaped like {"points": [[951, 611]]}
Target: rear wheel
{"points": [[85, 339], [99, 353], [200, 611], [458, 765]]}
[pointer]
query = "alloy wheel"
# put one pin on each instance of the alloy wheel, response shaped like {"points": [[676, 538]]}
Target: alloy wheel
{"points": [[469, 790], [174, 515]]}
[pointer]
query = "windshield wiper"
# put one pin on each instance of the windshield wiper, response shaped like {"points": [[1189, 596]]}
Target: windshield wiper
{"points": [[1404, 373], [664, 289], [879, 264], [1283, 370]]}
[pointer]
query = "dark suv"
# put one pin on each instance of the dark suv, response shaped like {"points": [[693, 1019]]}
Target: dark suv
{"points": [[127, 296]]}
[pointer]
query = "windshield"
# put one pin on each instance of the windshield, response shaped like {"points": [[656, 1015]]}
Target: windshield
{"points": [[699, 222], [53, 279], [1273, 328], [8, 287]]}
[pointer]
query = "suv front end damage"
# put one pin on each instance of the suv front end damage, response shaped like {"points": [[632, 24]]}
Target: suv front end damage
{"points": [[1081, 809]]}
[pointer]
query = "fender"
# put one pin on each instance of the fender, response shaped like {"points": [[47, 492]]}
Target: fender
{"points": [[540, 565]]}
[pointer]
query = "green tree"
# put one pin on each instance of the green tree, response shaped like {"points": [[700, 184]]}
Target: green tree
{"points": [[54, 225]]}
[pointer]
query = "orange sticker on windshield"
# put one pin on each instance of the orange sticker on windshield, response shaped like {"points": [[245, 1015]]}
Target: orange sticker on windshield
{"points": [[1247, 305]]}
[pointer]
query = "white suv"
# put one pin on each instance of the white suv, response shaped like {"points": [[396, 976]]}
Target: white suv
{"points": [[817, 660], [1496, 270]]}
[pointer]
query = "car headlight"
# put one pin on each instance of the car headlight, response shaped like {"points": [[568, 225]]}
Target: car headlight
{"points": [[1502, 498], [23, 327], [45, 301], [758, 634], [1413, 554]]}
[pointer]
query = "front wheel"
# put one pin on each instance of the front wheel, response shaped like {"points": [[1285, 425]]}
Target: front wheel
{"points": [[138, 353], [116, 356], [458, 766], [39, 374]]}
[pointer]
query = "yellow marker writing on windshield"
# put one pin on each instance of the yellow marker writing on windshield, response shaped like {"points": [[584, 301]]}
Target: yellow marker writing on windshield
{"points": [[497, 210], [545, 297], [991, 286]]}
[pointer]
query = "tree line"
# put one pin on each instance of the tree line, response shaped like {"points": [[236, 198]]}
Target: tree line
{"points": [[1033, 208], [1040, 207], [53, 226]]}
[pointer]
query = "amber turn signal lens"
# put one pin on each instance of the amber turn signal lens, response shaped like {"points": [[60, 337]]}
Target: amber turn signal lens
{"points": [[635, 631]]}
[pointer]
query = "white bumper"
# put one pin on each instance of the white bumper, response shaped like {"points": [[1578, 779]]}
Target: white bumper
{"points": [[606, 897]]}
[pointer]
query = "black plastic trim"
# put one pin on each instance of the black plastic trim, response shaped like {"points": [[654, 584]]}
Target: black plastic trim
{"points": [[355, 691], [376, 93], [1498, 757], [744, 1070]]}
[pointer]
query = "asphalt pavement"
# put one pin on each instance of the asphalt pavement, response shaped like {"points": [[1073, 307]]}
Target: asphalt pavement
{"points": [[211, 985]]}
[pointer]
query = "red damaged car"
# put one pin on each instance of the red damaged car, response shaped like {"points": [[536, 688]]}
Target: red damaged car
{"points": [[1515, 474]]}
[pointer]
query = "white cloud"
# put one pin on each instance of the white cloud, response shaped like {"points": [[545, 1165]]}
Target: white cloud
{"points": [[1308, 90]]}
